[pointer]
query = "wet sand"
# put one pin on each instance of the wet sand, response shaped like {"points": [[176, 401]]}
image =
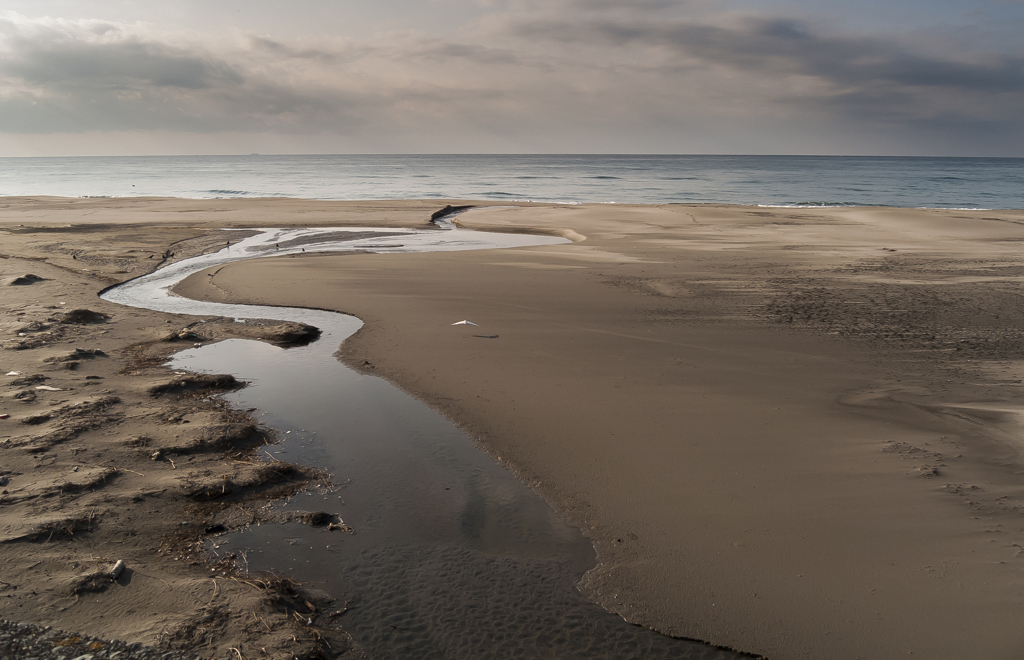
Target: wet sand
{"points": [[781, 428], [793, 432]]}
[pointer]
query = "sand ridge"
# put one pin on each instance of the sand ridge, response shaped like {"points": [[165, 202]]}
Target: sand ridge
{"points": [[105, 455]]}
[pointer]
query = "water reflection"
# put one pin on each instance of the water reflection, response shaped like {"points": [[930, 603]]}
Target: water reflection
{"points": [[411, 476], [452, 557]]}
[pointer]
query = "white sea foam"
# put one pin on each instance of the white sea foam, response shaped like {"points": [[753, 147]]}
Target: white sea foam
{"points": [[152, 291]]}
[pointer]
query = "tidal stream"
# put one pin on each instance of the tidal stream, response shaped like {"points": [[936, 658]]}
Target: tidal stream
{"points": [[451, 556]]}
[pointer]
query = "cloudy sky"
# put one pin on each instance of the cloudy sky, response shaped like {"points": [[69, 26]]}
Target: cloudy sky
{"points": [[886, 77]]}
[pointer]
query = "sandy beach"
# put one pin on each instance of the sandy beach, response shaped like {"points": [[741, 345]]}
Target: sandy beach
{"points": [[792, 432]]}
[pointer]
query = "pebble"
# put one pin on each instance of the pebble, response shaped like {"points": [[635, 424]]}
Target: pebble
{"points": [[26, 641]]}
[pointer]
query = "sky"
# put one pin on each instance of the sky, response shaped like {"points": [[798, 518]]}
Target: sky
{"points": [[852, 77]]}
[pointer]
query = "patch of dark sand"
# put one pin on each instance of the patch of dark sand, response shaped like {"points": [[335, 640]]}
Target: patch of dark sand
{"points": [[280, 333], [24, 640], [76, 355], [22, 280], [79, 316], [197, 384], [28, 380], [483, 590]]}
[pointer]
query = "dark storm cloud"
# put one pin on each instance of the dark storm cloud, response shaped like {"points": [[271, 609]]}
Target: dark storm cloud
{"points": [[782, 47], [251, 108], [666, 71], [884, 89], [124, 65], [61, 76], [100, 54]]}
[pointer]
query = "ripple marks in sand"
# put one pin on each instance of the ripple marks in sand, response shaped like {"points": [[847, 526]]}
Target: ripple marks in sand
{"points": [[416, 601]]}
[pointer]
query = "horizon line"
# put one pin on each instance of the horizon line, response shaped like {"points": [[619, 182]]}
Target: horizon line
{"points": [[523, 154]]}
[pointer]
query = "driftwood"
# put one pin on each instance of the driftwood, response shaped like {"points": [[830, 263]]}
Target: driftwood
{"points": [[448, 210]]}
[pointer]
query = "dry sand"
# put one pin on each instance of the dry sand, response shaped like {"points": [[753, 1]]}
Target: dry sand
{"points": [[793, 432]]}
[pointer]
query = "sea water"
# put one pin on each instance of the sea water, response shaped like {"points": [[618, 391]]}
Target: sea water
{"points": [[973, 183]]}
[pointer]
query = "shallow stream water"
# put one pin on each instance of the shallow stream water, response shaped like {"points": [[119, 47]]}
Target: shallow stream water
{"points": [[451, 556]]}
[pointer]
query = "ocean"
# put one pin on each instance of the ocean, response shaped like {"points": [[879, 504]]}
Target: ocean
{"points": [[913, 182]]}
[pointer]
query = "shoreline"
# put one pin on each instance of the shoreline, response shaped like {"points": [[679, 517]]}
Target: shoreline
{"points": [[670, 292], [634, 179]]}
